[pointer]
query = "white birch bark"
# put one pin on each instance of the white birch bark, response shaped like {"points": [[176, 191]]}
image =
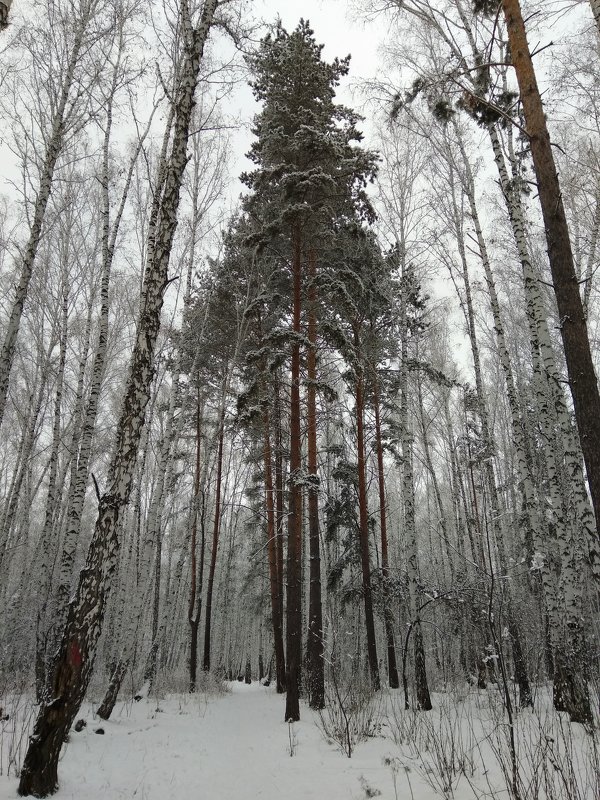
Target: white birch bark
{"points": [[54, 147], [499, 531], [563, 602], [441, 512], [554, 404], [408, 493], [73, 667], [9, 514], [110, 231], [51, 505], [540, 336], [521, 442]]}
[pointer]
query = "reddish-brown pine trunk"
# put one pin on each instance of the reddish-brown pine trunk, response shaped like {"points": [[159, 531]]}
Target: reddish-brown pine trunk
{"points": [[215, 545], [315, 644], [294, 553], [272, 551], [279, 504], [573, 328], [385, 569], [364, 525]]}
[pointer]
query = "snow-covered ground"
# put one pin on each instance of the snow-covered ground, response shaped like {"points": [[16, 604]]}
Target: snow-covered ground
{"points": [[236, 746]]}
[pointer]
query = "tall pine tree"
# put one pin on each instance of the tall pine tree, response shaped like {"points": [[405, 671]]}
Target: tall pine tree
{"points": [[309, 172]]}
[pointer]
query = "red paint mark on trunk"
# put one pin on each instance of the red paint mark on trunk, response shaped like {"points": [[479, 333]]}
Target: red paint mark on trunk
{"points": [[75, 654]]}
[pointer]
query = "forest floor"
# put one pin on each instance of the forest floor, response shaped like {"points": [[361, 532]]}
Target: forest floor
{"points": [[236, 746]]}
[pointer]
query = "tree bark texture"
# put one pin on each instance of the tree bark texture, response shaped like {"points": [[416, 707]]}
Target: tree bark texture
{"points": [[408, 499], [197, 574]]}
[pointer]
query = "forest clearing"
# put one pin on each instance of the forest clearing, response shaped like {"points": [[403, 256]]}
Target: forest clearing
{"points": [[235, 745]]}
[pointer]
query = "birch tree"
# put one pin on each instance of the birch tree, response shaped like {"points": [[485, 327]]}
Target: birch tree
{"points": [[572, 319], [75, 30], [73, 665]]}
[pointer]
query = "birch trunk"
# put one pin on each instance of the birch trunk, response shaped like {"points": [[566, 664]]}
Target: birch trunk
{"points": [[315, 644], [556, 422], [423, 699], [294, 550], [110, 230], [388, 615], [51, 506], [53, 151], [72, 668], [363, 513], [595, 6], [500, 535], [11, 503], [580, 367], [554, 416]]}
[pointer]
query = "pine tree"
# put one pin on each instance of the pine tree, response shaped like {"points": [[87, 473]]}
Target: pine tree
{"points": [[309, 172]]}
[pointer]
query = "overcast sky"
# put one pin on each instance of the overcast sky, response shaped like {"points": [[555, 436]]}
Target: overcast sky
{"points": [[334, 27]]}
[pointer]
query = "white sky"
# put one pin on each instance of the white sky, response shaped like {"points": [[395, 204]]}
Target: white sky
{"points": [[333, 26]]}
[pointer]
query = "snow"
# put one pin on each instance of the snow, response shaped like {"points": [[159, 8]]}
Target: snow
{"points": [[236, 746]]}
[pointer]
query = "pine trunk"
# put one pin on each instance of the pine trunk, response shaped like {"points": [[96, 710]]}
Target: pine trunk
{"points": [[363, 530], [279, 495], [294, 552], [315, 643]]}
